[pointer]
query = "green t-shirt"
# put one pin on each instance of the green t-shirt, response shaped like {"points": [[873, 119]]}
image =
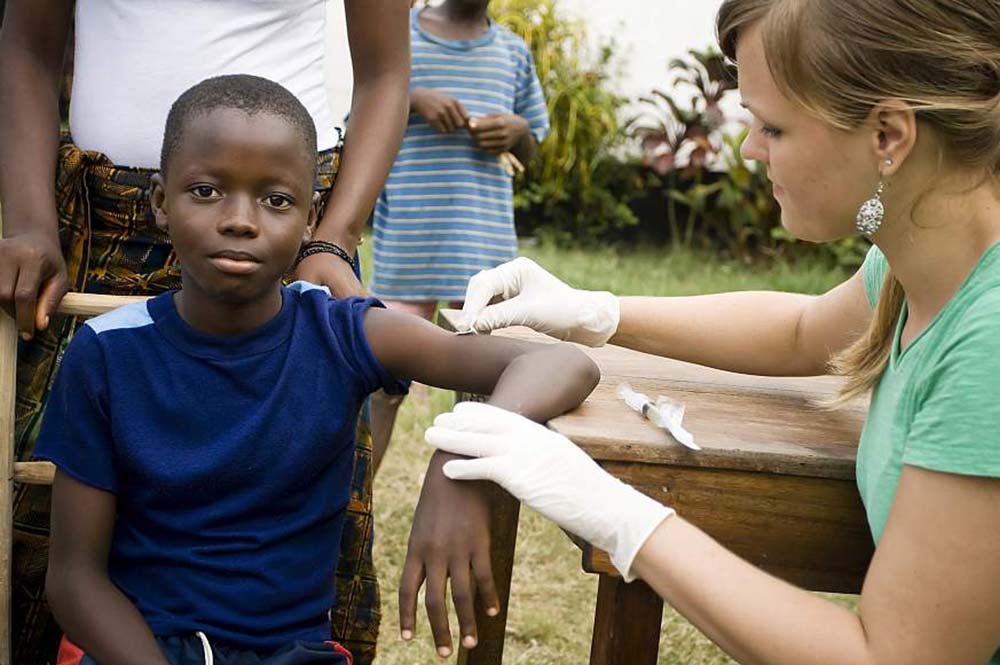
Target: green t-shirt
{"points": [[937, 405]]}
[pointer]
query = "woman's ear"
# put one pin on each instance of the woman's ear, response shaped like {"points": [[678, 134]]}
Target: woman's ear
{"points": [[158, 201], [895, 135], [313, 219]]}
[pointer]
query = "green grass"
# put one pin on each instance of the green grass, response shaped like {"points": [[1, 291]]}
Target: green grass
{"points": [[552, 601]]}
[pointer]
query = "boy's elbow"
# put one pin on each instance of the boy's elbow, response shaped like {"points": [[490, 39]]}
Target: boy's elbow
{"points": [[583, 372]]}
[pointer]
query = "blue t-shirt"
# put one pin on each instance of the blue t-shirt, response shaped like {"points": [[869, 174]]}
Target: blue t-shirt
{"points": [[231, 459]]}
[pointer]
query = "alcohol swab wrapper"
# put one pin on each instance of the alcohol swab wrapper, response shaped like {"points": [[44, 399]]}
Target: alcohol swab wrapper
{"points": [[463, 325], [665, 413]]}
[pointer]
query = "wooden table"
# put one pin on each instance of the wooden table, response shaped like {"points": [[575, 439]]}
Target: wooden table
{"points": [[774, 483]]}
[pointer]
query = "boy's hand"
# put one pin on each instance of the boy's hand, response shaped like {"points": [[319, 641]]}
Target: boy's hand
{"points": [[449, 538], [499, 132], [549, 473], [443, 112]]}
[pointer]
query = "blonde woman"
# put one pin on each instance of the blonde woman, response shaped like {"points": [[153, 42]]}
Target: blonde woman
{"points": [[879, 117]]}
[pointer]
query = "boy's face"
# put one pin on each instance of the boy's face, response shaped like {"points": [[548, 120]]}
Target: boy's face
{"points": [[237, 200]]}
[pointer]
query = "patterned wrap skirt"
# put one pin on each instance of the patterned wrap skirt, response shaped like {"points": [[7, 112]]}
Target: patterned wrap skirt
{"points": [[112, 246]]}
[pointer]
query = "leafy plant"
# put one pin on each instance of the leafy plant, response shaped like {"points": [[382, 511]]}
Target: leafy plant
{"points": [[727, 202], [575, 190], [671, 134], [737, 209]]}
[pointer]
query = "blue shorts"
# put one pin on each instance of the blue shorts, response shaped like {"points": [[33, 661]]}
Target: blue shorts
{"points": [[192, 650]]}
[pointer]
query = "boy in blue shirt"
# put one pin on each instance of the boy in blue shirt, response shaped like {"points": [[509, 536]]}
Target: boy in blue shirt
{"points": [[204, 438]]}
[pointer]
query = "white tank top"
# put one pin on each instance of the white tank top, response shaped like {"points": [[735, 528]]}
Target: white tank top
{"points": [[135, 57]]}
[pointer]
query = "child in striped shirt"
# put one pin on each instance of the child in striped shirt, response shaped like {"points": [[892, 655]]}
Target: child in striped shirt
{"points": [[447, 208]]}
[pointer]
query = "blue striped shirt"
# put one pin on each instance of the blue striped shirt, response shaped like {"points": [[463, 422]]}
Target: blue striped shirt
{"points": [[447, 208]]}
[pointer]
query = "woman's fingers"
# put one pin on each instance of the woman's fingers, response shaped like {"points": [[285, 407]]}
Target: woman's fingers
{"points": [[25, 299], [482, 288], [470, 444], [483, 418], [48, 300], [473, 469], [513, 312]]}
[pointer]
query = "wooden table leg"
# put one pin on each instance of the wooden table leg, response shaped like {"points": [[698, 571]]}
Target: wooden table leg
{"points": [[503, 530], [626, 623]]}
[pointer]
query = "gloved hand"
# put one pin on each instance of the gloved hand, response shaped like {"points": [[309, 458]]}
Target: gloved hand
{"points": [[549, 473], [539, 300]]}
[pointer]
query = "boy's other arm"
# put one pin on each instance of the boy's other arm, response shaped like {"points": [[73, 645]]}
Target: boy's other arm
{"points": [[93, 612], [450, 532], [32, 268]]}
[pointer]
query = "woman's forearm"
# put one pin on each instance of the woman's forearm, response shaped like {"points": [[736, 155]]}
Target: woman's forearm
{"points": [[378, 32], [756, 618], [752, 332], [99, 619], [378, 119], [31, 54]]}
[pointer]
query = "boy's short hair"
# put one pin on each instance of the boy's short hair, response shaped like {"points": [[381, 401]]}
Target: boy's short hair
{"points": [[250, 94]]}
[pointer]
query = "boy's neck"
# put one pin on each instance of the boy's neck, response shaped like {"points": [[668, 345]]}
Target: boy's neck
{"points": [[220, 318], [464, 16]]}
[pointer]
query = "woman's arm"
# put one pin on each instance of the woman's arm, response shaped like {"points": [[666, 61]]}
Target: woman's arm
{"points": [[32, 269], [92, 611], [771, 333], [379, 36], [450, 536], [932, 594], [752, 332]]}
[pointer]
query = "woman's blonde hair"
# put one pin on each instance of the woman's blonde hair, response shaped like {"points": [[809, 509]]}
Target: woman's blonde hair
{"points": [[840, 58]]}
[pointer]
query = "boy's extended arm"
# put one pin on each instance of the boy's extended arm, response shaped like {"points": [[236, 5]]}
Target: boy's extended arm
{"points": [[538, 381], [92, 611], [450, 535]]}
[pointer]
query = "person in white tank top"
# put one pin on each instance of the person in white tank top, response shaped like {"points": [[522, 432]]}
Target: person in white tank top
{"points": [[174, 45], [132, 59]]}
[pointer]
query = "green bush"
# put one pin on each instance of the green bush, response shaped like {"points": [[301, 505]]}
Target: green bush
{"points": [[576, 190]]}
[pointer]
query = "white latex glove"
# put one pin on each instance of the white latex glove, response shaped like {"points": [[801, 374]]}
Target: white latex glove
{"points": [[549, 473], [539, 300]]}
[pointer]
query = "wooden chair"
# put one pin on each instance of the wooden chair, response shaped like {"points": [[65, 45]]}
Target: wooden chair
{"points": [[33, 473]]}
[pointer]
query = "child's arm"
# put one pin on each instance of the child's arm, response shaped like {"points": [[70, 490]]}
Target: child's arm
{"points": [[538, 381], [93, 612], [503, 132], [450, 535], [441, 111]]}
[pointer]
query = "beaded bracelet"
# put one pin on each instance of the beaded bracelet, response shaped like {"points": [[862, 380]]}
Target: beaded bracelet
{"points": [[323, 247]]}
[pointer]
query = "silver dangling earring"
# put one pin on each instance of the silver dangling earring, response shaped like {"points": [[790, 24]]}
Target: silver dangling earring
{"points": [[872, 211]]}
